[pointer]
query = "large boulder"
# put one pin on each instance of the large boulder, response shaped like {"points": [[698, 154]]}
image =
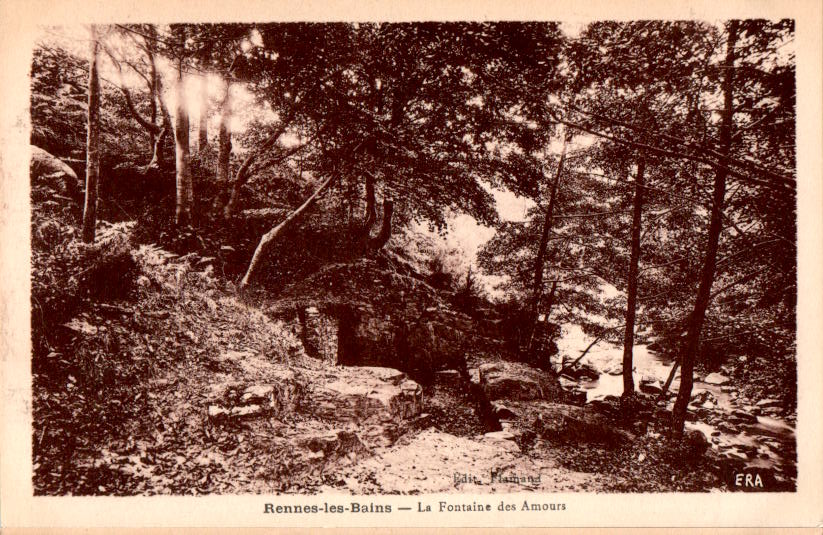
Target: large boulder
{"points": [[769, 403], [49, 170], [650, 385], [582, 371], [569, 423], [368, 395], [695, 443], [515, 381], [716, 379], [384, 315]]}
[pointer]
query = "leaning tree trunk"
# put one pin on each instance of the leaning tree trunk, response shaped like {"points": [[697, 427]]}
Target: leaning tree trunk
{"points": [[631, 298], [185, 196], [539, 262], [242, 174], [665, 390], [92, 142], [203, 125], [223, 148], [156, 133], [698, 314], [269, 237]]}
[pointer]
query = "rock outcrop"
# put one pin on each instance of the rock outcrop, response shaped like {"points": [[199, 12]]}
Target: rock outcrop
{"points": [[335, 444], [46, 169], [275, 399], [368, 398], [373, 313], [561, 422], [514, 381]]}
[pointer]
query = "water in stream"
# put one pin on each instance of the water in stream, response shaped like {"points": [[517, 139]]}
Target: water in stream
{"points": [[764, 441]]}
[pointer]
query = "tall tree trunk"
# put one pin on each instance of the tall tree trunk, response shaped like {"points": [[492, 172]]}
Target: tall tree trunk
{"points": [[269, 237], [698, 314], [92, 142], [152, 100], [385, 228], [183, 209], [224, 148], [539, 262], [631, 298], [158, 137], [203, 125]]}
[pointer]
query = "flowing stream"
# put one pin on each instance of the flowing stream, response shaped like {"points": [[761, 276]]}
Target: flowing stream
{"points": [[735, 427]]}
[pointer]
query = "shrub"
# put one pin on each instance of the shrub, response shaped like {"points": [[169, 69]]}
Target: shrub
{"points": [[66, 273]]}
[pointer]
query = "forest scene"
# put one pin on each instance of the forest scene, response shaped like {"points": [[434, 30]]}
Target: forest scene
{"points": [[411, 258]]}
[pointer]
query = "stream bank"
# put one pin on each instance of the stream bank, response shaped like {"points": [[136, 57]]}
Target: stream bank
{"points": [[744, 433]]}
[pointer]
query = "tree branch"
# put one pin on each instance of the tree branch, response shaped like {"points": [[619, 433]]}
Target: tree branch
{"points": [[786, 188]]}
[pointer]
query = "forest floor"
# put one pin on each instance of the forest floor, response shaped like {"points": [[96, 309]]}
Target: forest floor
{"points": [[122, 407]]}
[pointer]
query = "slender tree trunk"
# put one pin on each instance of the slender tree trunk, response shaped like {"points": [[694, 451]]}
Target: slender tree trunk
{"points": [[537, 287], [92, 142], [564, 369], [549, 306], [268, 238], [152, 100], [157, 152], [631, 298], [183, 209], [242, 174], [669, 380], [371, 208], [203, 125], [224, 148], [385, 228], [157, 134], [539, 262], [157, 159], [698, 314]]}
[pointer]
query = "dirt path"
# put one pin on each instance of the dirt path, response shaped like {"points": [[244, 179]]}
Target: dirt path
{"points": [[432, 462]]}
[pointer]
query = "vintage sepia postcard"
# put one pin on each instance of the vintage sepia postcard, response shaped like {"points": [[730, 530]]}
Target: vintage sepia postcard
{"points": [[415, 265]]}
